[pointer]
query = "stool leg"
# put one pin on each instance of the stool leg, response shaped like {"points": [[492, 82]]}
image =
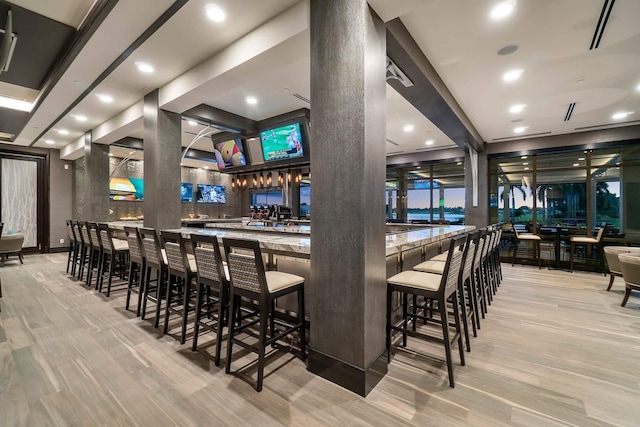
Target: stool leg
{"points": [[196, 323], [571, 250], [222, 306], [447, 341], [264, 314], [404, 318], [185, 309], [303, 328], [272, 322], [389, 297], [141, 280], [456, 313], [145, 292], [463, 309], [161, 277], [168, 303], [234, 305], [627, 293], [611, 281]]}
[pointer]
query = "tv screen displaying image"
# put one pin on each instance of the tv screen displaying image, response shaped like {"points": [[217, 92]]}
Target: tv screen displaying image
{"points": [[211, 194], [281, 143], [126, 189], [229, 153], [186, 192]]}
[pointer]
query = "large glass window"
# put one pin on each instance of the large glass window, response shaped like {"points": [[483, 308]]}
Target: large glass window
{"points": [[305, 199], [266, 198]]}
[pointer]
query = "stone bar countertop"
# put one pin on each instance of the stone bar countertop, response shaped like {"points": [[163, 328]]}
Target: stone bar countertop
{"points": [[264, 226], [301, 246]]}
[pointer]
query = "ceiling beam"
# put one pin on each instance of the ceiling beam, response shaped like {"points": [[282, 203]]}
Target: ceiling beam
{"points": [[223, 120], [429, 94]]}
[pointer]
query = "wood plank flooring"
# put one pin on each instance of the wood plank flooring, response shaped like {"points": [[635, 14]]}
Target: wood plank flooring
{"points": [[556, 349]]}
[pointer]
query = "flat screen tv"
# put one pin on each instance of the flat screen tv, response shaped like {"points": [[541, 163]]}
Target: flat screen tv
{"points": [[186, 192], [207, 193], [282, 143], [229, 153], [126, 189]]}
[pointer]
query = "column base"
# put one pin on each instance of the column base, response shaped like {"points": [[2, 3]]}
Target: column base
{"points": [[355, 379]]}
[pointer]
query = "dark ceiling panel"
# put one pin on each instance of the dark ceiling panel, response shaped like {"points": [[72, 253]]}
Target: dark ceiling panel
{"points": [[11, 120], [40, 43]]}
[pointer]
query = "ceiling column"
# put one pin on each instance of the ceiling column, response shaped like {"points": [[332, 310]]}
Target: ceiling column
{"points": [[162, 153], [348, 60], [96, 181]]}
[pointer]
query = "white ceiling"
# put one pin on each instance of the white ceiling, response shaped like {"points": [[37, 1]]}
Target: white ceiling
{"points": [[458, 38]]}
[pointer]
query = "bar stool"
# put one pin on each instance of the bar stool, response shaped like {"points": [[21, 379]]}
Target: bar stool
{"points": [[75, 268], [137, 266], [587, 241], [630, 265], [116, 251], [440, 289], [73, 248], [465, 290], [213, 277], [250, 280], [85, 249], [155, 260], [182, 274], [527, 238], [95, 253]]}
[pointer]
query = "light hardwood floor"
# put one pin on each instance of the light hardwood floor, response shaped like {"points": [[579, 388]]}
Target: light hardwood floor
{"points": [[556, 349]]}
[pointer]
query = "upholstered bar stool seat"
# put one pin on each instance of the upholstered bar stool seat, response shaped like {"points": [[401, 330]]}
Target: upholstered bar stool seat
{"points": [[431, 266], [417, 280], [587, 241], [630, 265], [440, 257], [611, 254]]}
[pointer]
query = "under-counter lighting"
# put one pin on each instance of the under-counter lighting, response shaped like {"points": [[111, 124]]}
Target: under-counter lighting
{"points": [[144, 67], [215, 12], [502, 9], [251, 100], [526, 169], [50, 141], [517, 108], [430, 142], [621, 115], [15, 104], [104, 98], [576, 164], [408, 128], [520, 129], [523, 157], [512, 75], [63, 132], [581, 159], [525, 164]]}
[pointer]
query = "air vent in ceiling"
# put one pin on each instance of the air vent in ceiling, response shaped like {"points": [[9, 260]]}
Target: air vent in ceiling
{"points": [[520, 136], [394, 152], [567, 116], [617, 124], [302, 98], [394, 143], [602, 23]]}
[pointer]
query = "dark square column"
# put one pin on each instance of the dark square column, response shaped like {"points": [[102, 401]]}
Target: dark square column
{"points": [[162, 153], [96, 181], [348, 164]]}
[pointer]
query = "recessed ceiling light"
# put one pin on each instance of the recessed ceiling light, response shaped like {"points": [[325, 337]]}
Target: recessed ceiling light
{"points": [[408, 128], [430, 142], [520, 129], [621, 115], [15, 104], [80, 118], [523, 157], [580, 81], [192, 122], [581, 159], [104, 98], [512, 75], [576, 164], [63, 132], [517, 108], [503, 9], [50, 141], [459, 163], [419, 167], [215, 12], [251, 100], [144, 67], [638, 88]]}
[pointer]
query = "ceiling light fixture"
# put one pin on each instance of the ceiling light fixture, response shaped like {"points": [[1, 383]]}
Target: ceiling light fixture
{"points": [[576, 164], [110, 155], [523, 157], [581, 158], [430, 142], [251, 100], [215, 12], [517, 108], [621, 115], [638, 88], [144, 67], [502, 9], [50, 141], [526, 169], [192, 122], [80, 118], [104, 98], [512, 75], [408, 128], [15, 104], [525, 164], [520, 129], [63, 132]]}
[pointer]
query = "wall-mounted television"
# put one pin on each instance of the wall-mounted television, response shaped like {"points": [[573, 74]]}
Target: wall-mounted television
{"points": [[126, 189], [282, 142], [230, 153], [207, 193], [186, 192]]}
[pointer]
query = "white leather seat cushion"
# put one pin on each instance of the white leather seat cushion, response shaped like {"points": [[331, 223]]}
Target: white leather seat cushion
{"points": [[417, 279], [528, 237], [441, 257], [120, 245], [277, 280], [580, 239], [436, 267]]}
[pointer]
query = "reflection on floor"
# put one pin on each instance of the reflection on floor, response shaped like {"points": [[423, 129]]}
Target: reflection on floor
{"points": [[555, 349]]}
